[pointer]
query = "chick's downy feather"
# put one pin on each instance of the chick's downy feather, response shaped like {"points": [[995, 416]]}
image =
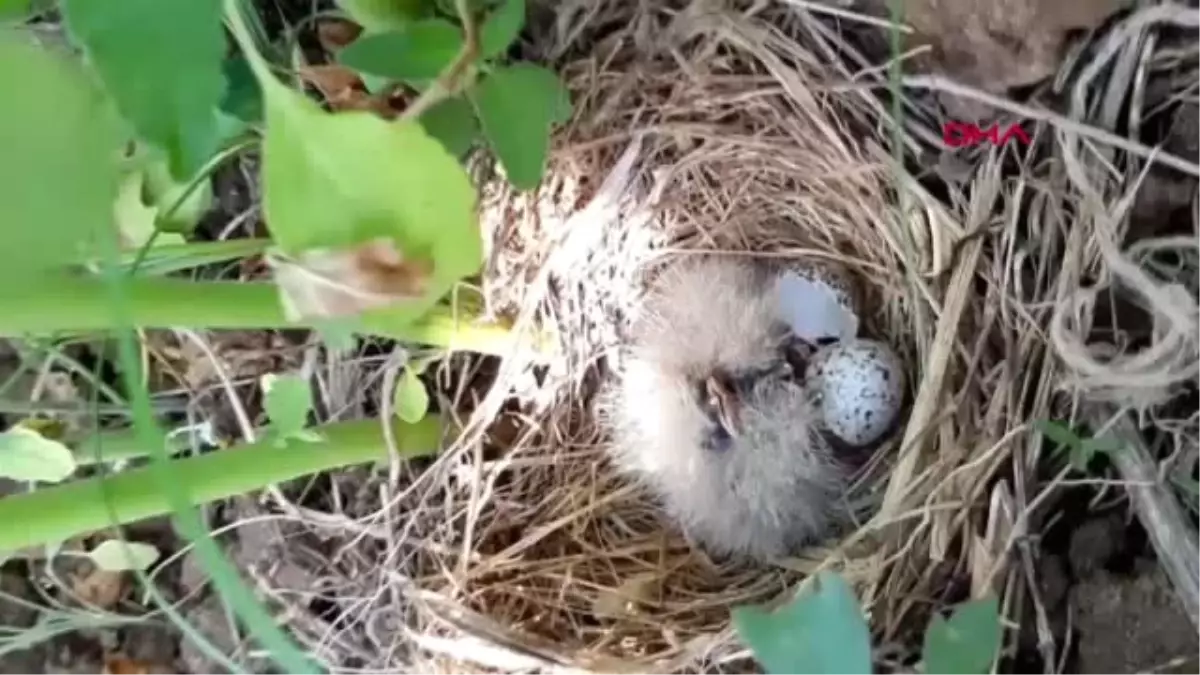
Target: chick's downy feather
{"points": [[770, 488]]}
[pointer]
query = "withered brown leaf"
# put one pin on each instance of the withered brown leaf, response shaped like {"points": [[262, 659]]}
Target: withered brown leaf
{"points": [[343, 89], [328, 283]]}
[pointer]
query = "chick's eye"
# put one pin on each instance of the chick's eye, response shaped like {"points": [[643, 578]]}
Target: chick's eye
{"points": [[796, 353]]}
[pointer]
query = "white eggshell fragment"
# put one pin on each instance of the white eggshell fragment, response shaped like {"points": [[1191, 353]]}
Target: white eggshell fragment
{"points": [[859, 387], [817, 301]]}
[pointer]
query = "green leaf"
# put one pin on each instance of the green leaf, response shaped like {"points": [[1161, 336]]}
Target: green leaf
{"points": [[340, 180], [26, 455], [13, 9], [164, 193], [421, 51], [968, 642], [410, 399], [501, 29], [1058, 432], [339, 334], [287, 401], [60, 144], [452, 122], [243, 97], [381, 15], [135, 219], [517, 106], [1080, 457], [1106, 444], [161, 62], [115, 555], [18, 11], [822, 630]]}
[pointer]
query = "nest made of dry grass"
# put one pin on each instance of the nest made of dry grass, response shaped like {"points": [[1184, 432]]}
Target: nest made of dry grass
{"points": [[706, 129], [699, 126]]}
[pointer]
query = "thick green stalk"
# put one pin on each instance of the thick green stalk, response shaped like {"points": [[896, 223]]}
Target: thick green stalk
{"points": [[80, 304], [54, 514]]}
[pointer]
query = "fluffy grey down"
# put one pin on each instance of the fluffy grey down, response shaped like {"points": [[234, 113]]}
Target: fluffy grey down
{"points": [[774, 487]]}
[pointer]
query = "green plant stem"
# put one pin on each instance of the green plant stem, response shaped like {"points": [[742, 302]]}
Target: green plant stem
{"points": [[166, 258], [55, 514], [450, 81], [66, 304]]}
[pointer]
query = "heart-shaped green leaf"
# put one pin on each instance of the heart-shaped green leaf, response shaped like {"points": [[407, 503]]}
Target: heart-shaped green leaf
{"points": [[161, 62], [339, 181], [243, 97], [59, 177], [26, 455], [821, 630], [411, 400], [452, 121], [418, 52], [501, 28], [382, 15], [287, 400], [968, 642], [517, 106]]}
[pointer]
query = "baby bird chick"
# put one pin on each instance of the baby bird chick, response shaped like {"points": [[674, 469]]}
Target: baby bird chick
{"points": [[710, 412]]}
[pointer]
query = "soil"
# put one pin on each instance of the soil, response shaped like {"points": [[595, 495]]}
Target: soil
{"points": [[1107, 601], [1132, 624]]}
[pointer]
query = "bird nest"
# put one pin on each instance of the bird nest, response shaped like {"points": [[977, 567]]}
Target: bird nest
{"points": [[738, 132]]}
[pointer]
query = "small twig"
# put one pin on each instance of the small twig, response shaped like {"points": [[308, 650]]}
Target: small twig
{"points": [[1158, 509], [448, 82]]}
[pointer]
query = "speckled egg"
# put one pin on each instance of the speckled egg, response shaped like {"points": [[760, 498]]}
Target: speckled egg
{"points": [[818, 300], [858, 386]]}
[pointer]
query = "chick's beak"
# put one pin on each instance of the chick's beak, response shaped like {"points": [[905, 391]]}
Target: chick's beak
{"points": [[723, 398]]}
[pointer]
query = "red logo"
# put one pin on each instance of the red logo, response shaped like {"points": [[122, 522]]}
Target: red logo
{"points": [[964, 134]]}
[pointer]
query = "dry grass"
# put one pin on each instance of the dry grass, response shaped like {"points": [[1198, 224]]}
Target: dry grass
{"points": [[753, 132], [696, 130]]}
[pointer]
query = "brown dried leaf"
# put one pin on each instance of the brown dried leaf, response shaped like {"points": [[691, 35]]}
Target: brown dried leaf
{"points": [[334, 82], [119, 665], [343, 89], [116, 664], [369, 102], [333, 34], [324, 283]]}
